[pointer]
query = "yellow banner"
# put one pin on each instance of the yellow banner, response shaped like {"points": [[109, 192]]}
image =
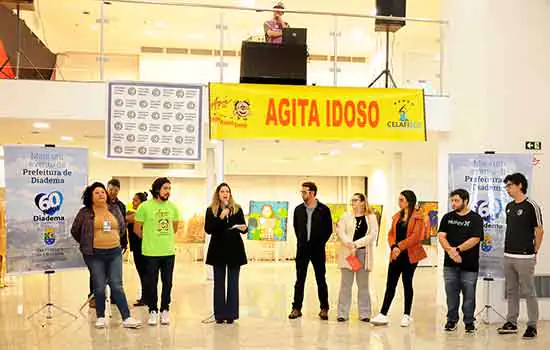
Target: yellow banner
{"points": [[251, 111]]}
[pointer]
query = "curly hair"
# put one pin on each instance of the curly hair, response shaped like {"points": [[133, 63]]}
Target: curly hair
{"points": [[87, 196]]}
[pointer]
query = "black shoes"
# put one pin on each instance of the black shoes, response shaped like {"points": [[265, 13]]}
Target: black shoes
{"points": [[530, 333], [366, 320], [450, 326], [294, 314], [341, 319], [508, 328], [470, 328], [139, 303]]}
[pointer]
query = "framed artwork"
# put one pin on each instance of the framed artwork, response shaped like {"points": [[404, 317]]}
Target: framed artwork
{"points": [[267, 221]]}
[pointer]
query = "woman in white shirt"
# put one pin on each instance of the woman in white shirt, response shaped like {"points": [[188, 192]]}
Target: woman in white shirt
{"points": [[357, 232]]}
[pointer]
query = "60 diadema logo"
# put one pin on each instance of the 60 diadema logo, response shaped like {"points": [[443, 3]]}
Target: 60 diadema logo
{"points": [[489, 210], [50, 203]]}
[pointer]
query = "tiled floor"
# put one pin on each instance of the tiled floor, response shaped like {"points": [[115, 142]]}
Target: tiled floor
{"points": [[266, 291]]}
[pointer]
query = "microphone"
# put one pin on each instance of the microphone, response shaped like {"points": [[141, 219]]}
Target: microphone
{"points": [[225, 206]]}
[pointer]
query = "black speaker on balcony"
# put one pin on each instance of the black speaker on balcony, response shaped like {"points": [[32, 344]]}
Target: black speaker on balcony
{"points": [[390, 8]]}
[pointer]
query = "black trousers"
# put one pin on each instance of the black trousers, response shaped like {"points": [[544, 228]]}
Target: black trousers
{"points": [[141, 268], [165, 266], [401, 267], [226, 301], [317, 256]]}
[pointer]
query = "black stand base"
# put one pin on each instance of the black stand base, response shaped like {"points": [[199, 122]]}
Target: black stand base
{"points": [[488, 308], [386, 72], [50, 306]]}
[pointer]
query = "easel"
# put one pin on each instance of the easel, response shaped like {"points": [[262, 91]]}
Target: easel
{"points": [[49, 304]]}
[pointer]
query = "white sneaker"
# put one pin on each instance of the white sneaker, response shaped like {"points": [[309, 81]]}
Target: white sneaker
{"points": [[379, 320], [153, 318], [165, 318], [131, 322], [100, 323], [406, 321]]}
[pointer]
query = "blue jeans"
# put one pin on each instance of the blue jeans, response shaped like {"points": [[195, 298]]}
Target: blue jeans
{"points": [[456, 281], [106, 265]]}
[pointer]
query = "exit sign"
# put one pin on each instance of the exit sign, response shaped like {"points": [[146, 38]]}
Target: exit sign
{"points": [[533, 145]]}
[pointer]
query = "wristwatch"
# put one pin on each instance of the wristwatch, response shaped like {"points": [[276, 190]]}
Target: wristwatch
{"points": [[458, 250]]}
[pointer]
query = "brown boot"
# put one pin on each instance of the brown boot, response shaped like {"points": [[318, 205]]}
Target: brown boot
{"points": [[323, 314], [295, 314]]}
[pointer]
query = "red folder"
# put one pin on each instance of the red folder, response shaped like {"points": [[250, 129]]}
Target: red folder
{"points": [[354, 262]]}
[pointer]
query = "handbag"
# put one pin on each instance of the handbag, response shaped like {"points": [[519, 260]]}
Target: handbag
{"points": [[354, 262]]}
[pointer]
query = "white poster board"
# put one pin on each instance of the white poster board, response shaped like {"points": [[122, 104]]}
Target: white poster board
{"points": [[155, 122]]}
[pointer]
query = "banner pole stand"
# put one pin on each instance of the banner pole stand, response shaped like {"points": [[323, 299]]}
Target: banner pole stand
{"points": [[488, 306], [50, 305]]}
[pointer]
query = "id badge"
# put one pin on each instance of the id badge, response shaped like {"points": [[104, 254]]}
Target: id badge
{"points": [[106, 226]]}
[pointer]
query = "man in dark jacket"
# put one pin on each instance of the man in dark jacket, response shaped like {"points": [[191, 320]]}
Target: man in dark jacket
{"points": [[313, 227]]}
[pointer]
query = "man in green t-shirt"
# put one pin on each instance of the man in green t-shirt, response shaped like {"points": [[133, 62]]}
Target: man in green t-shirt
{"points": [[157, 222]]}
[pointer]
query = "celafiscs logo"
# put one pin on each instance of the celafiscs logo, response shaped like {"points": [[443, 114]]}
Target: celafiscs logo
{"points": [[48, 204], [490, 211], [402, 107]]}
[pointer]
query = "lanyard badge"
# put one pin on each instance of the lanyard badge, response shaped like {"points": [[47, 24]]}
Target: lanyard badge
{"points": [[106, 226]]}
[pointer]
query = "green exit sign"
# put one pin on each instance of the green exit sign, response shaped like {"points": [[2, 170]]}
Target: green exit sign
{"points": [[533, 145]]}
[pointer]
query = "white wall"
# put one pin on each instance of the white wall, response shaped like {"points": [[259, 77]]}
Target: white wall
{"points": [[500, 93]]}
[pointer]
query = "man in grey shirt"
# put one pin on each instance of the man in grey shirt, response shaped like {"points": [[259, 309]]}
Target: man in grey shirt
{"points": [[313, 227]]}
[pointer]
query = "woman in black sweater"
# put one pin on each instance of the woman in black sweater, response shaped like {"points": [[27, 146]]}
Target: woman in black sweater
{"points": [[225, 222]]}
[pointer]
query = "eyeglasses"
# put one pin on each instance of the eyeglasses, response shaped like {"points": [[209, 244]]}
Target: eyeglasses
{"points": [[355, 200]]}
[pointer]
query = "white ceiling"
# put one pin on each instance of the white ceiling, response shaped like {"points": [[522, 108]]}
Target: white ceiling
{"points": [[66, 27]]}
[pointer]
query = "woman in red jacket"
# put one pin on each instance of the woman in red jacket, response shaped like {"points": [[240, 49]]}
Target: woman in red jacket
{"points": [[404, 238]]}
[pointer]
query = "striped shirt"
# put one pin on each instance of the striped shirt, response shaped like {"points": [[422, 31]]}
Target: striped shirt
{"points": [[521, 221]]}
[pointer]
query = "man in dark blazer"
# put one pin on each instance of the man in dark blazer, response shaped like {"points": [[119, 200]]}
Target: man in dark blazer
{"points": [[313, 227]]}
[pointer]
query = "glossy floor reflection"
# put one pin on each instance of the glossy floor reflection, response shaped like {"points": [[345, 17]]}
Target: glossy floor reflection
{"points": [[266, 290]]}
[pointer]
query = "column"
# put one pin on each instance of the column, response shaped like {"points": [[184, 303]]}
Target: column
{"points": [[214, 176]]}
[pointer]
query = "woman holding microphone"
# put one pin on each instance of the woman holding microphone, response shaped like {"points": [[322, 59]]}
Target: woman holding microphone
{"points": [[357, 232], [224, 221]]}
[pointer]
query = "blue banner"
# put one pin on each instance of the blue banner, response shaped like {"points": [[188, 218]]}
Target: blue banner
{"points": [[482, 175], [43, 195]]}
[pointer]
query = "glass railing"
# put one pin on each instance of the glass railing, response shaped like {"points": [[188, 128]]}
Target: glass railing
{"points": [[178, 42]]}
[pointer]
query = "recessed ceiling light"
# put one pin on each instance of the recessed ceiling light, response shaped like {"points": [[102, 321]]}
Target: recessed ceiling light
{"points": [[318, 158], [149, 33], [67, 138], [335, 152], [94, 27], [357, 145], [39, 125]]}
